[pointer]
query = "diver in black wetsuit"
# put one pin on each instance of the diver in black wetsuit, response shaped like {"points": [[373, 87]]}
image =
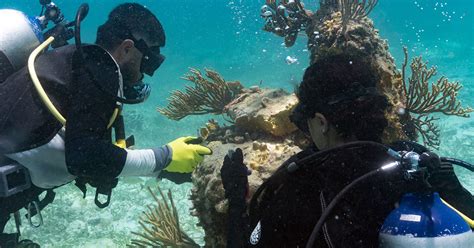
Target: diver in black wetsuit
{"points": [[87, 88], [338, 104]]}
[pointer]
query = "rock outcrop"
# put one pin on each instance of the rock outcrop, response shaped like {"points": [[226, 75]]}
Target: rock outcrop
{"points": [[264, 110]]}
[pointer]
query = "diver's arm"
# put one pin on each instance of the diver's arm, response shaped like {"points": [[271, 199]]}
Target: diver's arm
{"points": [[234, 179], [146, 162], [461, 199], [88, 147], [88, 150], [237, 223], [444, 180], [457, 196], [90, 153]]}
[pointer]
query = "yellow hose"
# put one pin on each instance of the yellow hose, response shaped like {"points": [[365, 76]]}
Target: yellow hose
{"points": [[469, 221], [34, 77], [44, 97], [113, 117]]}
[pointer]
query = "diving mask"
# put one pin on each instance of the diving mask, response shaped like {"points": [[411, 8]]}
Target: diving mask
{"points": [[152, 58]]}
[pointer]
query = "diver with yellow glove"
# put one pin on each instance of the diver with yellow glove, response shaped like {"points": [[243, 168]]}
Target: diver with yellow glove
{"points": [[57, 112]]}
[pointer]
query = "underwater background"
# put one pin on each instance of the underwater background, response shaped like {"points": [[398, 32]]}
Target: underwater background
{"points": [[227, 36]]}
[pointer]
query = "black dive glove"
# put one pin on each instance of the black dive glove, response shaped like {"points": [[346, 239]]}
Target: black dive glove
{"points": [[234, 176]]}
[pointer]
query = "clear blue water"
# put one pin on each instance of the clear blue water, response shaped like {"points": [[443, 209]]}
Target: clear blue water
{"points": [[227, 36]]}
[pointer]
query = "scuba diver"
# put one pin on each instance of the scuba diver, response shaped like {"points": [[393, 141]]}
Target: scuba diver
{"points": [[85, 84], [341, 195]]}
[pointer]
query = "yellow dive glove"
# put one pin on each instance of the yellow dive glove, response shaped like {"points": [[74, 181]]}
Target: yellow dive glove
{"points": [[186, 154]]}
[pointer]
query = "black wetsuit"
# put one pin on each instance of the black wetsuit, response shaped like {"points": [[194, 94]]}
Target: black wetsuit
{"points": [[291, 203], [25, 122]]}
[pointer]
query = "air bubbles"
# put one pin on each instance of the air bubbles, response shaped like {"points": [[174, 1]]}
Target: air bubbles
{"points": [[401, 111]]}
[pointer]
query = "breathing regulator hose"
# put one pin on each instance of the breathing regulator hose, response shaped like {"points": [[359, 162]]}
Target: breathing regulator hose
{"points": [[81, 14], [327, 212], [461, 163]]}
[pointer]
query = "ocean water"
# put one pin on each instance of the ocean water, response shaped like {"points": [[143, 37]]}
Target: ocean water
{"points": [[227, 36]]}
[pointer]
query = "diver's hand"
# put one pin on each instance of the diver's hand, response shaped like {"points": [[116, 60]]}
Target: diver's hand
{"points": [[234, 176], [186, 154], [442, 174]]}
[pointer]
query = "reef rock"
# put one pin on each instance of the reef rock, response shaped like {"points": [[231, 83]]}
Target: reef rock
{"points": [[324, 33], [264, 110], [263, 157]]}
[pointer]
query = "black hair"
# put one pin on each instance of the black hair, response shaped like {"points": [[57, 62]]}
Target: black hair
{"points": [[342, 87], [126, 20]]}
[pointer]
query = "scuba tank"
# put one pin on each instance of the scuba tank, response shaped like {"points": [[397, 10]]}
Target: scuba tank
{"points": [[19, 36], [20, 44], [422, 219]]}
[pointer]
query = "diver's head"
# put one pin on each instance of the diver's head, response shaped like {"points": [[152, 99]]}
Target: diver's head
{"points": [[133, 35], [338, 101]]}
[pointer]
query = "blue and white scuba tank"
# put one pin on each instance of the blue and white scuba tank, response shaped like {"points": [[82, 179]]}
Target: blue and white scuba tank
{"points": [[19, 36], [423, 220]]}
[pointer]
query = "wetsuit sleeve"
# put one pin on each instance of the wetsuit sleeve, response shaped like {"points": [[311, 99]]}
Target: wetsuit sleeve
{"points": [[89, 151], [458, 197]]}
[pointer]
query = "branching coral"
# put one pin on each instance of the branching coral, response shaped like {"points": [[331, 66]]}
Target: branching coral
{"points": [[421, 101], [354, 10], [286, 19], [207, 96], [161, 226]]}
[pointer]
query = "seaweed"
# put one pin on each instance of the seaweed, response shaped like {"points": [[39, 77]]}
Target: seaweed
{"points": [[161, 225], [209, 95], [421, 101]]}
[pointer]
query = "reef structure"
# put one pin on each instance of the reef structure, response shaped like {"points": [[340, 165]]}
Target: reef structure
{"points": [[263, 157], [259, 117], [261, 128], [259, 125], [344, 26]]}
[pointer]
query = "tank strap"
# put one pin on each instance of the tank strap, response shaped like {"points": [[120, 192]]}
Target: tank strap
{"points": [[35, 206]]}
